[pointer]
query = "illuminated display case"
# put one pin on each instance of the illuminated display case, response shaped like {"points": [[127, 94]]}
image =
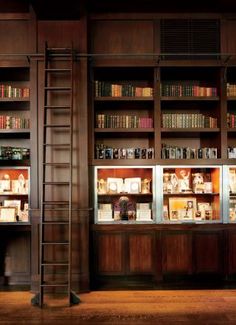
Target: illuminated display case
{"points": [[229, 175], [191, 194], [124, 194], [14, 195]]}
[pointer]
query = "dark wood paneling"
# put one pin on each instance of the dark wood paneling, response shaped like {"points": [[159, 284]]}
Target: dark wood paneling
{"points": [[228, 42], [61, 34], [177, 252], [232, 252], [15, 35], [141, 253], [19, 252], [207, 252], [122, 37], [110, 250]]}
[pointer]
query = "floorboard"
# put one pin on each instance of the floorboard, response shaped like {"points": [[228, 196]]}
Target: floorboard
{"points": [[170, 307]]}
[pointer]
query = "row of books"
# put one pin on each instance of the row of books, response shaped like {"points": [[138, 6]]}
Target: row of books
{"points": [[186, 120], [12, 122], [231, 89], [186, 89], [123, 121], [7, 91], [174, 152], [108, 89], [14, 153], [105, 152], [231, 120]]}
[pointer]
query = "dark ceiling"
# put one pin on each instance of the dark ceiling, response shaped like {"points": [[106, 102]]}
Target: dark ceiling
{"points": [[74, 9]]}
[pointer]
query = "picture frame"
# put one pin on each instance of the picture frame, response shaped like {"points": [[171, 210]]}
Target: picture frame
{"points": [[182, 208], [114, 185], [13, 203], [132, 185], [8, 214]]}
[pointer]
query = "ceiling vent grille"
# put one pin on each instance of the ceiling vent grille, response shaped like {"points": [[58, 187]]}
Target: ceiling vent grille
{"points": [[182, 38]]}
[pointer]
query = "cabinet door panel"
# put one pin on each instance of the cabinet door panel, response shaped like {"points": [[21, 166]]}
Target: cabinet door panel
{"points": [[177, 252], [141, 253], [122, 37], [208, 252], [18, 250], [232, 252], [110, 248]]}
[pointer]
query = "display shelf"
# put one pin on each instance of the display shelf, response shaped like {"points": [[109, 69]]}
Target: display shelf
{"points": [[122, 110], [14, 100], [124, 130], [123, 98], [14, 194], [190, 130], [192, 194], [189, 98], [135, 204]]}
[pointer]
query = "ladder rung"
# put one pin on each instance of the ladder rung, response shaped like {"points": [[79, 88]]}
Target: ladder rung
{"points": [[59, 49], [56, 125], [57, 164], [51, 284], [55, 243], [57, 88], [47, 263], [56, 183]]}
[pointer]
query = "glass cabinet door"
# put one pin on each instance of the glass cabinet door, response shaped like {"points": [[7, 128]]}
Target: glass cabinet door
{"points": [[230, 193], [124, 194], [191, 194]]}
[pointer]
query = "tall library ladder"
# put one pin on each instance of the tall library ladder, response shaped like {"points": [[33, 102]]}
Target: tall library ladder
{"points": [[56, 184]]}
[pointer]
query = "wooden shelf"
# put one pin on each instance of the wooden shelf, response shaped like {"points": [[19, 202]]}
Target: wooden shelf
{"points": [[123, 162], [15, 163], [190, 130], [15, 133], [191, 162], [124, 193], [124, 130], [192, 98], [5, 99], [13, 194], [123, 98], [231, 98], [191, 194]]}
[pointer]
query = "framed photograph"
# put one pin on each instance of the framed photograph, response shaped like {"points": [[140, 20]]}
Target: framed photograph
{"points": [[182, 208], [114, 185], [133, 185], [13, 203], [7, 214]]}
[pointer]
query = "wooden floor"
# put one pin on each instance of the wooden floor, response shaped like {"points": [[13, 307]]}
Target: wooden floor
{"points": [[125, 307]]}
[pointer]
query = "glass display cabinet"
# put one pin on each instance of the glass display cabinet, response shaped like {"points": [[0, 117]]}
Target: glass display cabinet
{"points": [[124, 194], [14, 194], [229, 175], [191, 194]]}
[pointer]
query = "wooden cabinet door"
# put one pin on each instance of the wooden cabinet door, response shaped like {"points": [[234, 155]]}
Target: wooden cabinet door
{"points": [[231, 252], [208, 252], [177, 252], [141, 253], [110, 251]]}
